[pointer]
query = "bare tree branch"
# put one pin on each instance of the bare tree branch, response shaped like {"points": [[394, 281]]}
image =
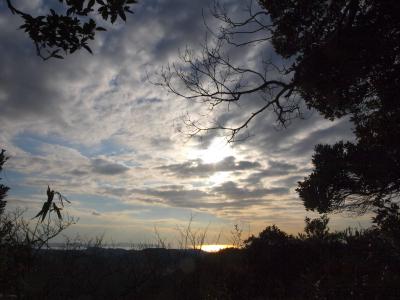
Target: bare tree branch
{"points": [[213, 78]]}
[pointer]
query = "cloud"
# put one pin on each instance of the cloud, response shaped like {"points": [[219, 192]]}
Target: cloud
{"points": [[222, 197], [276, 168], [231, 190], [289, 181], [196, 168], [93, 124], [105, 167]]}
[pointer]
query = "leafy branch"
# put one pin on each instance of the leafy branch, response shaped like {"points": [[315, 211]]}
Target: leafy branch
{"points": [[57, 34]]}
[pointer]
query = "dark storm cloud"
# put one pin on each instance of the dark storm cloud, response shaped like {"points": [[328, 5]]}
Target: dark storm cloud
{"points": [[196, 168], [276, 168], [105, 167]]}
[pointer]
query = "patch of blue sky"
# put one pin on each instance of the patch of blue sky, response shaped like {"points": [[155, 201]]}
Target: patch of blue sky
{"points": [[32, 143], [114, 82], [20, 190], [12, 178], [107, 147], [16, 182]]}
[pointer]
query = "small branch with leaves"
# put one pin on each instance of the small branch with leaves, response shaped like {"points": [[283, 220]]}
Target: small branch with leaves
{"points": [[50, 206], [58, 34]]}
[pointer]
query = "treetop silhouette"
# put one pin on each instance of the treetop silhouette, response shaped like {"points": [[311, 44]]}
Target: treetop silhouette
{"points": [[3, 189]]}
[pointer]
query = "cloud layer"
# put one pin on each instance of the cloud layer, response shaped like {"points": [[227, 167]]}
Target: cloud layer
{"points": [[95, 128]]}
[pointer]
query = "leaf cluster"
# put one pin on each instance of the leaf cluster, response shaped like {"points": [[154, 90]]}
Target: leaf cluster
{"points": [[50, 205], [3, 188], [57, 34]]}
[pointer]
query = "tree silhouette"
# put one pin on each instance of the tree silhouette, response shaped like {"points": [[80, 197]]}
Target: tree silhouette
{"points": [[3, 188], [317, 228], [57, 34], [341, 58]]}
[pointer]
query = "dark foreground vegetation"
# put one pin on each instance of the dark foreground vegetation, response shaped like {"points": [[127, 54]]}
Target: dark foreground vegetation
{"points": [[350, 264]]}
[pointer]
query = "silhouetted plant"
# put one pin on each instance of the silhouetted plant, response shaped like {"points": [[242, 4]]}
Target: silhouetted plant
{"points": [[387, 221], [317, 228], [3, 188], [236, 236], [270, 236], [57, 34], [50, 205]]}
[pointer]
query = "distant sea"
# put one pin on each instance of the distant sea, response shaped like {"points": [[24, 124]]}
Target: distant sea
{"points": [[83, 246]]}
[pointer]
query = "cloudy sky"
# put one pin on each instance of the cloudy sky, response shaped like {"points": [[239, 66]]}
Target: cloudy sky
{"points": [[94, 128]]}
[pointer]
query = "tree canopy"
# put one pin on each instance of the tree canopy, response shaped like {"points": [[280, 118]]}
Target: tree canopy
{"points": [[61, 33], [3, 188], [342, 59], [348, 63]]}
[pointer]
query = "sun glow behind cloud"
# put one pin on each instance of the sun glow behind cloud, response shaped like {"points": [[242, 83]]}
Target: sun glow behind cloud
{"points": [[216, 151], [219, 178]]}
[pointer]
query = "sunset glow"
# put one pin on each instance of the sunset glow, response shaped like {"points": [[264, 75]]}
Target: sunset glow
{"points": [[214, 248]]}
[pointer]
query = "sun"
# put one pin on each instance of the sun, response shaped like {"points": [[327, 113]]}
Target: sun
{"points": [[214, 248], [216, 151]]}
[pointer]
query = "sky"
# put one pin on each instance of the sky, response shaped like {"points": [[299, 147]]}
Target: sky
{"points": [[96, 129]]}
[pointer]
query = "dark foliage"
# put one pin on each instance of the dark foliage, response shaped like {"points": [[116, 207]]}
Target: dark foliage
{"points": [[273, 265], [317, 228], [347, 63], [351, 176], [3, 188], [346, 51], [57, 34]]}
